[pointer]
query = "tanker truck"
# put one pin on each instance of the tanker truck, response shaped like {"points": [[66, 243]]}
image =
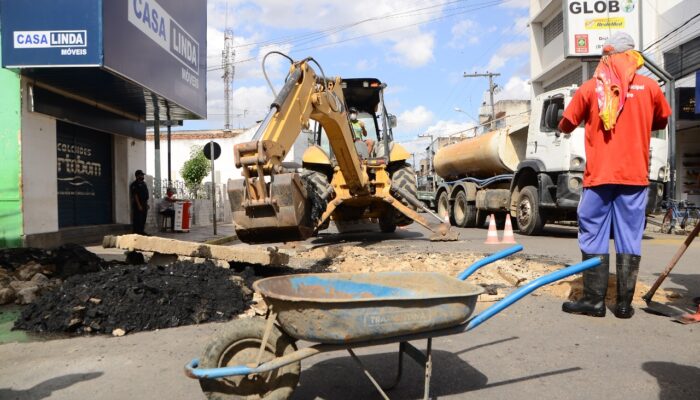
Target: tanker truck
{"points": [[526, 170]]}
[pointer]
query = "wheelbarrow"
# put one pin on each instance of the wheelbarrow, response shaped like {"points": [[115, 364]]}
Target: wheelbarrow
{"points": [[258, 358]]}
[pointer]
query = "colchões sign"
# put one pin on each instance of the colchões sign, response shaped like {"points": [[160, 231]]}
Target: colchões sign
{"points": [[160, 45], [51, 33]]}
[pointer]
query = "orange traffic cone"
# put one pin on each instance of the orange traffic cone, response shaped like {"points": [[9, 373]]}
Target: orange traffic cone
{"points": [[492, 236], [508, 237]]}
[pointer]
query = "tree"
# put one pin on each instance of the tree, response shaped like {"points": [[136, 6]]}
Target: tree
{"points": [[195, 169]]}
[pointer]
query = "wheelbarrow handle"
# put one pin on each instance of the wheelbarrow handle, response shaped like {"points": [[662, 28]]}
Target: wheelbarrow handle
{"points": [[529, 288], [488, 260]]}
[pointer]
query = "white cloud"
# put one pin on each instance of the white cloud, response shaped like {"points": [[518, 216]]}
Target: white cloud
{"points": [[464, 32], [507, 52], [366, 65], [519, 28], [414, 51], [516, 4], [515, 89], [413, 121]]}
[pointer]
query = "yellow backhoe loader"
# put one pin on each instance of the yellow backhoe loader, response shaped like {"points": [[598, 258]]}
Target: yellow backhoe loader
{"points": [[340, 180]]}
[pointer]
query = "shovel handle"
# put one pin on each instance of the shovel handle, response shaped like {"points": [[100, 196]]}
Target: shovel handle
{"points": [[488, 260], [679, 253], [529, 288]]}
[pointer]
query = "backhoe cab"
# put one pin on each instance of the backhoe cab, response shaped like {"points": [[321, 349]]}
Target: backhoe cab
{"points": [[340, 180]]}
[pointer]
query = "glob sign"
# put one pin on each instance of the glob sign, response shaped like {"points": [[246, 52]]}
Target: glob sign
{"points": [[589, 23]]}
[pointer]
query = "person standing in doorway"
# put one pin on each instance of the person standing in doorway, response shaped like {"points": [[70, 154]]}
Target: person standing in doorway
{"points": [[620, 108], [138, 192]]}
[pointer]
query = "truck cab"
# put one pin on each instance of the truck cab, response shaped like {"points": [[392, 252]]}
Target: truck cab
{"points": [[547, 185]]}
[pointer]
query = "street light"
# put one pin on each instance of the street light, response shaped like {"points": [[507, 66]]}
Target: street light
{"points": [[466, 113]]}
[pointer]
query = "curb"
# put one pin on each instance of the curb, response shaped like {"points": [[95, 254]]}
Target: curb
{"points": [[221, 240]]}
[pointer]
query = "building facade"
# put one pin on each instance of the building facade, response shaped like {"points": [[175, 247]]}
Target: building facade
{"points": [[668, 35], [80, 81]]}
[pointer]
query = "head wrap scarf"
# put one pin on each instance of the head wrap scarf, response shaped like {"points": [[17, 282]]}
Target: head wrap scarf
{"points": [[614, 74]]}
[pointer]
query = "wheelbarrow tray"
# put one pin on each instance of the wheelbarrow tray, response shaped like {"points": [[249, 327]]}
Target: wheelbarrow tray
{"points": [[345, 307]]}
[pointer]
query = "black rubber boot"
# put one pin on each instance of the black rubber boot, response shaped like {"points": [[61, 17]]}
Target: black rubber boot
{"points": [[595, 284], [627, 266]]}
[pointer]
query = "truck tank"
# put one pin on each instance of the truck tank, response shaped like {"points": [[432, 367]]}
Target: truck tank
{"points": [[493, 153]]}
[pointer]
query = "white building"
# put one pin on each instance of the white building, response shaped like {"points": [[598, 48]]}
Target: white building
{"points": [[669, 37], [183, 141]]}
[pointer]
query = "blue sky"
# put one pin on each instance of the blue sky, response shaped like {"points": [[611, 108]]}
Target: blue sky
{"points": [[419, 48]]}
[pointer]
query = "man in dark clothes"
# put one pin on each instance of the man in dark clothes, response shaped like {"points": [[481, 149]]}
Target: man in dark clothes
{"points": [[138, 192]]}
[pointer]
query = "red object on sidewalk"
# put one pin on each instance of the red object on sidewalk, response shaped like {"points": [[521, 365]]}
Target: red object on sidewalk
{"points": [[182, 216]]}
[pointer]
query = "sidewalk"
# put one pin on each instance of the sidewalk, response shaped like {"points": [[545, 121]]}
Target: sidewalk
{"points": [[225, 233], [202, 233]]}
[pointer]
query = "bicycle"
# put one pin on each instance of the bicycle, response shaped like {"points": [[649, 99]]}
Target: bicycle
{"points": [[681, 212]]}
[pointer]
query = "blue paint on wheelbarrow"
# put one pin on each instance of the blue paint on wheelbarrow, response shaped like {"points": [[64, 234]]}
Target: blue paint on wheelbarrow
{"points": [[347, 288]]}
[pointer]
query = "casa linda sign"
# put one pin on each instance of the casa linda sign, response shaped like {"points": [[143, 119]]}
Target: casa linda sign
{"points": [[589, 23], [75, 169]]}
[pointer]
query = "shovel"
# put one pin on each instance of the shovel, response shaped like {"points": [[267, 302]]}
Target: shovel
{"points": [[662, 309]]}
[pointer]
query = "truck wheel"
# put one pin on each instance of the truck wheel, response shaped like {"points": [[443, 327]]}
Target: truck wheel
{"points": [[481, 216], [403, 177], [239, 344], [387, 223], [443, 207], [530, 221], [463, 211]]}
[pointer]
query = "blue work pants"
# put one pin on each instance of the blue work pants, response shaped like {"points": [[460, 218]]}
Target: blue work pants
{"points": [[623, 206]]}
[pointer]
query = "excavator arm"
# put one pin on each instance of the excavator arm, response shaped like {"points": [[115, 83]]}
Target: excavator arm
{"points": [[269, 199]]}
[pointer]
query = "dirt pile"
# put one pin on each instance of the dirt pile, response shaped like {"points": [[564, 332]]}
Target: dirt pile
{"points": [[498, 278], [26, 273], [138, 298]]}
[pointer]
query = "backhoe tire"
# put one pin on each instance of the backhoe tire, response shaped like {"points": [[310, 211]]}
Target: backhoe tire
{"points": [[319, 191], [403, 177], [528, 214], [238, 344], [464, 212]]}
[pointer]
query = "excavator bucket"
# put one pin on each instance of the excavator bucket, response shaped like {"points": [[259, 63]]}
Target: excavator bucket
{"points": [[283, 216]]}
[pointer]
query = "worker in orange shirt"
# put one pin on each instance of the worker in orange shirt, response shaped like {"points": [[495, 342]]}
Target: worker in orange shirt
{"points": [[620, 108]]}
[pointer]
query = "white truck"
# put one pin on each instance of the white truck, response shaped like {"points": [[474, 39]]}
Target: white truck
{"points": [[529, 171]]}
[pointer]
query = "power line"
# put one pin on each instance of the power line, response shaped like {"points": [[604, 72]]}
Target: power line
{"points": [[673, 31], [443, 17]]}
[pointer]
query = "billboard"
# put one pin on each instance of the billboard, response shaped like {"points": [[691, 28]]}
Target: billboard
{"points": [[51, 33], [160, 45], [589, 23]]}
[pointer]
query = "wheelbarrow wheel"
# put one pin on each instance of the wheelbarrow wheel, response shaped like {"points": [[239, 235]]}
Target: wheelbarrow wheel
{"points": [[239, 344]]}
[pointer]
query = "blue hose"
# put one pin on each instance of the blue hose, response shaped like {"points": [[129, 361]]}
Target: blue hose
{"points": [[488, 260], [529, 288]]}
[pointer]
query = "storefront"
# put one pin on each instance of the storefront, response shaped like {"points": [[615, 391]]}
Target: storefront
{"points": [[81, 80], [683, 63]]}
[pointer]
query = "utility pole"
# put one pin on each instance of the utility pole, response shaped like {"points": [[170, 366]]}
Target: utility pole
{"points": [[492, 88], [227, 57]]}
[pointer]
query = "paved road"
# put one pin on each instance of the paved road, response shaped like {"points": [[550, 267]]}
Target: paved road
{"points": [[530, 351]]}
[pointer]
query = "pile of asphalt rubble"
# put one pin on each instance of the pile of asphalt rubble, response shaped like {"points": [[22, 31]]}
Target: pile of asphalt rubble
{"points": [[129, 298], [27, 273]]}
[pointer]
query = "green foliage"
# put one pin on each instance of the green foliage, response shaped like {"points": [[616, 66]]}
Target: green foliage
{"points": [[195, 169]]}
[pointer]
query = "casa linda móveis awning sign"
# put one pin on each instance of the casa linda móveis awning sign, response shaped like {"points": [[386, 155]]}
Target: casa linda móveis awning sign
{"points": [[589, 23], [161, 45], [42, 33]]}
